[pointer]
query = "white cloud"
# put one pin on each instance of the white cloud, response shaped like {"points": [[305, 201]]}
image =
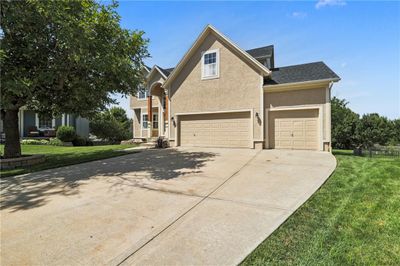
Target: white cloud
{"points": [[298, 14], [323, 3], [344, 64]]}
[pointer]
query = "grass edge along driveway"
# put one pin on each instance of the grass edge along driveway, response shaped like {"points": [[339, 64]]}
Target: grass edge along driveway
{"points": [[57, 156], [353, 219]]}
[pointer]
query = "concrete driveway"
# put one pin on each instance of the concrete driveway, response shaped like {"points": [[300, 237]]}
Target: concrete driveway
{"points": [[175, 206]]}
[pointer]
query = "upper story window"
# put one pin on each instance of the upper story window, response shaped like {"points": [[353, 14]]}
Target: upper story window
{"points": [[142, 93], [210, 64]]}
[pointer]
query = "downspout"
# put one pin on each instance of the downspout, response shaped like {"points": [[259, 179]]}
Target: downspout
{"points": [[329, 114]]}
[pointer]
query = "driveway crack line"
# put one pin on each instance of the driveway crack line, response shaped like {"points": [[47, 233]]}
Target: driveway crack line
{"points": [[261, 206], [190, 209]]}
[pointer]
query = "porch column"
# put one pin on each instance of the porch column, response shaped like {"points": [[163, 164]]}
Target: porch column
{"points": [[160, 120], [149, 115], [166, 109]]}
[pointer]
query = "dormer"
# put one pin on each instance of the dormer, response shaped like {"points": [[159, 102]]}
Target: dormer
{"points": [[264, 55]]}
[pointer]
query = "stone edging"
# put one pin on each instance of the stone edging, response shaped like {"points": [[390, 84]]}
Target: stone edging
{"points": [[21, 161]]}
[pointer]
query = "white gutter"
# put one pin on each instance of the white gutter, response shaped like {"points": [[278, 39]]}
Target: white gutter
{"points": [[294, 84]]}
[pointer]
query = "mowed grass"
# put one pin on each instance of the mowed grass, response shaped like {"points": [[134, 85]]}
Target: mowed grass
{"points": [[354, 219], [57, 156]]}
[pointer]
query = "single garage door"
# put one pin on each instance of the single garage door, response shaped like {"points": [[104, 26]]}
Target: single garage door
{"points": [[297, 130], [215, 130]]}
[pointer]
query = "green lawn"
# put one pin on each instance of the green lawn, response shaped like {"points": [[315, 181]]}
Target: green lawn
{"points": [[57, 156], [353, 219]]}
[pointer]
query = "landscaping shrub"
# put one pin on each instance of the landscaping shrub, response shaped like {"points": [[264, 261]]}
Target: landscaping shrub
{"points": [[55, 142], [112, 125], [34, 142], [66, 133], [79, 141]]}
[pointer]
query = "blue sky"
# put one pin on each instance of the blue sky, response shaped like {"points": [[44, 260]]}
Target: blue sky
{"points": [[360, 41]]}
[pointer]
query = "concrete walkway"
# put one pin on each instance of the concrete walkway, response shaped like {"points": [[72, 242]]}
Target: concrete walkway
{"points": [[176, 206]]}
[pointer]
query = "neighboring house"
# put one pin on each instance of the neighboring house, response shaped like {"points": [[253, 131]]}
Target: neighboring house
{"points": [[222, 96], [32, 124]]}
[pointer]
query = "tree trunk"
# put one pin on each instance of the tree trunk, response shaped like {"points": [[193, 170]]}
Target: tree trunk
{"points": [[12, 149]]}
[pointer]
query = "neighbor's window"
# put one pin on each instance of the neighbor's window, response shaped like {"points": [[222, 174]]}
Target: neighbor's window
{"points": [[142, 93], [155, 120], [210, 63], [45, 121], [145, 120]]}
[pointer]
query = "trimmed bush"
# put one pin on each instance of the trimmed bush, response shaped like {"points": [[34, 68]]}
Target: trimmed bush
{"points": [[79, 141], [56, 142], [66, 133]]}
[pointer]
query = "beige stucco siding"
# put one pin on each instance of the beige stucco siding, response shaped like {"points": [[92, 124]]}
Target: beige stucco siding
{"points": [[136, 103], [136, 123], [295, 97], [237, 88]]}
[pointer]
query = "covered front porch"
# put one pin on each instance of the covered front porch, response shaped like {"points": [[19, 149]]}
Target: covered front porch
{"points": [[157, 116]]}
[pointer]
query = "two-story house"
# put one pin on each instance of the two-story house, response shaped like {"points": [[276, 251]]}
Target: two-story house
{"points": [[220, 95]]}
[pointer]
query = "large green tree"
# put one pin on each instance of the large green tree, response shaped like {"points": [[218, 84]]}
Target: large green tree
{"points": [[396, 131], [61, 56], [344, 124], [374, 129]]}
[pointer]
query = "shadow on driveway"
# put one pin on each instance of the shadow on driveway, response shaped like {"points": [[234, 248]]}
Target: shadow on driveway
{"points": [[33, 190]]}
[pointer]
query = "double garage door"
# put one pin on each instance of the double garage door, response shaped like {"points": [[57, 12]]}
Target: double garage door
{"points": [[297, 130], [287, 130], [215, 130]]}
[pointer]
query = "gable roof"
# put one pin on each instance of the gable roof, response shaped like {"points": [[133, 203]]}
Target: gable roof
{"points": [[261, 52], [166, 71], [208, 30], [301, 73], [158, 69], [147, 68]]}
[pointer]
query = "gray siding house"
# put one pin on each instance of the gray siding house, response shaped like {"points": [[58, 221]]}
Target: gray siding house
{"points": [[29, 121]]}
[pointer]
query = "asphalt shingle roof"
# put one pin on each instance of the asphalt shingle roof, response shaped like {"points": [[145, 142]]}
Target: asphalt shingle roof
{"points": [[300, 73], [261, 51], [166, 71]]}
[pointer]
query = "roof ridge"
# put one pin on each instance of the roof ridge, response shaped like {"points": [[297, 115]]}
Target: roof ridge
{"points": [[315, 62], [270, 45]]}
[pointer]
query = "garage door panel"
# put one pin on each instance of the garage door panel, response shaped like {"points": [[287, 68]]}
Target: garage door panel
{"points": [[292, 131], [216, 130]]}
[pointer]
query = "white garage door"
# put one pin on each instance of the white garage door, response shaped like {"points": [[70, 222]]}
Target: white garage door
{"points": [[215, 130], [296, 133]]}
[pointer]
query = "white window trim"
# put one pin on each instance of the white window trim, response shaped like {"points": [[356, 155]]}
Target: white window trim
{"points": [[141, 121], [202, 64], [146, 95]]}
